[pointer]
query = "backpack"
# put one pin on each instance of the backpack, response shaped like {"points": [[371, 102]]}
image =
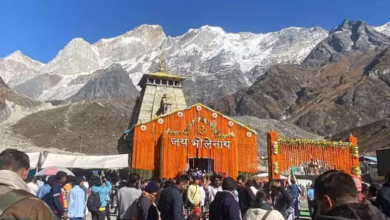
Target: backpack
{"points": [[93, 202], [136, 209], [12, 197]]}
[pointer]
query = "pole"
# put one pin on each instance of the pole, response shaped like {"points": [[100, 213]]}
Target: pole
{"points": [[81, 142]]}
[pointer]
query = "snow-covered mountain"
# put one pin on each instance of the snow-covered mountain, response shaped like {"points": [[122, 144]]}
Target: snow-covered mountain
{"points": [[236, 59], [19, 57], [384, 29], [77, 57], [143, 40], [17, 68]]}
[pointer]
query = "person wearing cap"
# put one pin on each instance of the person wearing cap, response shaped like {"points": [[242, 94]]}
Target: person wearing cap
{"points": [[76, 200], [146, 206]]}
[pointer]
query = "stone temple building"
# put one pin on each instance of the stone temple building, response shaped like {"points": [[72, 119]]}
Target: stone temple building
{"points": [[166, 137]]}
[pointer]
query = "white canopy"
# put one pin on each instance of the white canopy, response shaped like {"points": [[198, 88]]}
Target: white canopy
{"points": [[34, 159], [264, 175], [87, 162]]}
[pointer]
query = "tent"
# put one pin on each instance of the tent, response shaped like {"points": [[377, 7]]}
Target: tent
{"points": [[34, 159], [87, 162]]}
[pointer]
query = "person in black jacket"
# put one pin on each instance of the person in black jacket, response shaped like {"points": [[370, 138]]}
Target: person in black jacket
{"points": [[281, 199], [225, 206], [383, 198], [373, 193], [146, 206], [244, 200], [56, 197], [171, 202]]}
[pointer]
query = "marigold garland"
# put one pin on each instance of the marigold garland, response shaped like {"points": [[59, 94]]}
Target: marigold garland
{"points": [[296, 152], [240, 157]]}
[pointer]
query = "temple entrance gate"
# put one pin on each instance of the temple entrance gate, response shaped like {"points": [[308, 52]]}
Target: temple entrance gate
{"points": [[201, 163], [310, 156]]}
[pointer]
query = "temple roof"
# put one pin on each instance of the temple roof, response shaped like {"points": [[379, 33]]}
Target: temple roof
{"points": [[160, 74], [164, 75]]}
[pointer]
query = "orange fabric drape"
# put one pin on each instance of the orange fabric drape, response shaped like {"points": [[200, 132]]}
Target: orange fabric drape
{"points": [[297, 152]]}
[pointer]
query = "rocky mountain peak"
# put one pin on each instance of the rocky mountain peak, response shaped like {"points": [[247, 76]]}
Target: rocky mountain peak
{"points": [[206, 38], [145, 30], [356, 35], [348, 25], [380, 67], [349, 36], [19, 57], [137, 42], [113, 82], [2, 83], [212, 29], [75, 42], [151, 35], [78, 56]]}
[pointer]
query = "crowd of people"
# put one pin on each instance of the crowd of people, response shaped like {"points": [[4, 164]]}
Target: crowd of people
{"points": [[334, 195]]}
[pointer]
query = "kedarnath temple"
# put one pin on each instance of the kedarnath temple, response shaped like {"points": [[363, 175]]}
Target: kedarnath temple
{"points": [[166, 137]]}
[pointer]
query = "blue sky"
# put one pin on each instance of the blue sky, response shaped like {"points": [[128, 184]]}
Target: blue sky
{"points": [[40, 28]]}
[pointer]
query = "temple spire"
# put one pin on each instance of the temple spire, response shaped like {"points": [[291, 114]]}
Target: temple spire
{"points": [[161, 68]]}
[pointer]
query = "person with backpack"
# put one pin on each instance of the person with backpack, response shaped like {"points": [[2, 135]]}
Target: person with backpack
{"points": [[127, 197], [146, 208], [281, 199], [44, 191], [15, 201], [295, 192], [96, 202]]}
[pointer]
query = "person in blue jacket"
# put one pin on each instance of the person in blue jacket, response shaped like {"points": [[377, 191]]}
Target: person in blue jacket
{"points": [[44, 191], [76, 200], [102, 189]]}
